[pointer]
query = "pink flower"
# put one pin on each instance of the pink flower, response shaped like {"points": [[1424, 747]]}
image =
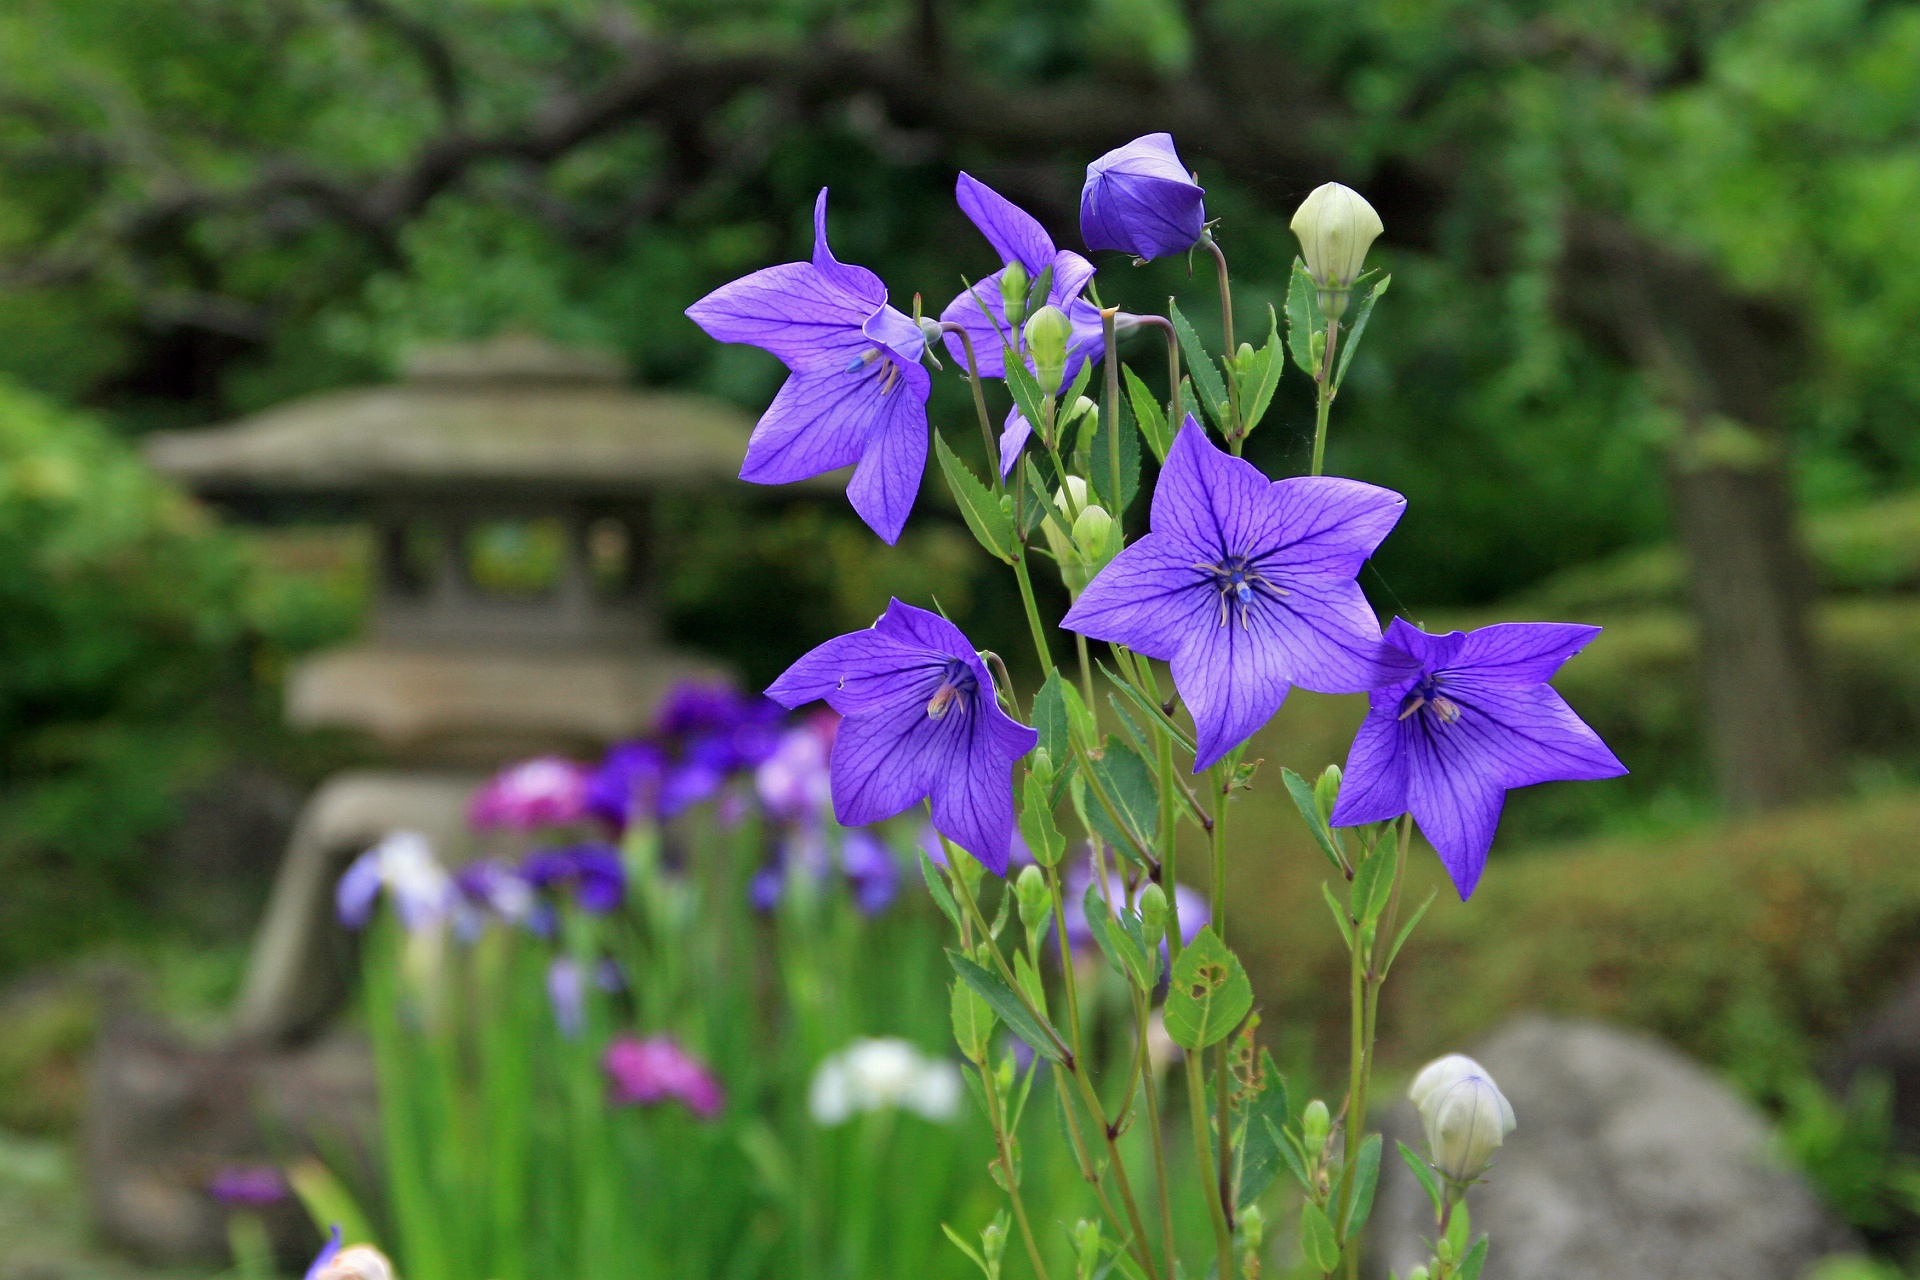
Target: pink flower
{"points": [[657, 1069], [544, 792]]}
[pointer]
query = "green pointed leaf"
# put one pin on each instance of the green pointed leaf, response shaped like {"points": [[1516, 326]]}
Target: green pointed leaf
{"points": [[1476, 1258], [1255, 398], [1038, 504], [1303, 317], [1261, 1142], [1147, 414], [1206, 375], [937, 886], [973, 1022], [1101, 464], [1050, 720], [1366, 1176], [980, 508], [1037, 827], [1029, 979], [1122, 951], [1035, 1031], [1316, 1238], [1028, 395], [1078, 387], [961, 1244], [1209, 993], [1145, 705], [1366, 877], [1128, 783], [1340, 916], [1302, 795], [1406, 931], [1291, 1154], [1361, 314], [1422, 1174]]}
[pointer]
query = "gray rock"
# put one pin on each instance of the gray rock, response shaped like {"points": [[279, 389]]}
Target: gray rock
{"points": [[1629, 1160]]}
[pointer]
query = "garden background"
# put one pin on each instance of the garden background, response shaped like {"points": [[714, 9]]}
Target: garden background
{"points": [[1648, 361]]}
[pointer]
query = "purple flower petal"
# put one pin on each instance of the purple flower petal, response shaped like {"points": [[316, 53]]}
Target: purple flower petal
{"points": [[1014, 433], [1373, 787], [885, 764], [1540, 738], [1522, 653], [327, 1253], [858, 281], [358, 890], [887, 480], [1140, 199], [1013, 232], [1456, 798]]}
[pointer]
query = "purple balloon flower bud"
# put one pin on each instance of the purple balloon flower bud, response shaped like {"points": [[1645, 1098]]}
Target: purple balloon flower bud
{"points": [[646, 1072], [591, 872], [248, 1186], [544, 792], [1140, 199], [1470, 718]]}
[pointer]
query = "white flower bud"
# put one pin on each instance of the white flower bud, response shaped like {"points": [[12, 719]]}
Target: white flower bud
{"points": [[1048, 331], [1092, 532], [1336, 226], [1465, 1116], [357, 1262]]}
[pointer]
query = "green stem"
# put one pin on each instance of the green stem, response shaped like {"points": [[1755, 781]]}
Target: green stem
{"points": [[1325, 403], [1222, 775], [1197, 1109], [1111, 337], [1033, 612], [979, 399], [996, 1118], [1152, 1091], [1236, 438]]}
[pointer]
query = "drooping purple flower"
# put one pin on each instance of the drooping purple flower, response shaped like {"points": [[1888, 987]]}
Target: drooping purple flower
{"points": [[920, 720], [1141, 200], [1246, 586], [1471, 719], [626, 786], [404, 866], [929, 842], [643, 1072], [591, 872], [567, 996], [1018, 238], [248, 1186], [858, 392], [543, 792]]}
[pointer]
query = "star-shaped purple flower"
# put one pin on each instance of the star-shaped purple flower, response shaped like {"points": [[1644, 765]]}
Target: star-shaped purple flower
{"points": [[1139, 198], [1472, 718], [920, 720], [858, 394], [1247, 587]]}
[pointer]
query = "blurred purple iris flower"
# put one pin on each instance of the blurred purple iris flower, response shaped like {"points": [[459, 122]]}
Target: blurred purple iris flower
{"points": [[1192, 906], [1141, 200], [858, 392], [248, 1186], [793, 782], [491, 888], [567, 996], [403, 865], [591, 872], [920, 720], [545, 792], [656, 1069], [1246, 587], [1473, 718], [626, 786], [872, 872]]}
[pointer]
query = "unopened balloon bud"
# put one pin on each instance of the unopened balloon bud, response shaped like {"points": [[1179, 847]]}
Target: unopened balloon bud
{"points": [[1047, 333], [1315, 1122], [1465, 1116], [1418, 1273], [1082, 408], [1040, 765], [930, 330], [1013, 292], [1035, 900], [1092, 532], [1326, 790], [1153, 913], [993, 1244], [1243, 359], [1443, 1250], [1336, 226]]}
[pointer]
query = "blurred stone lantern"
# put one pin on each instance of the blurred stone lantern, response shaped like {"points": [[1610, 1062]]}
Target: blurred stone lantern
{"points": [[509, 487]]}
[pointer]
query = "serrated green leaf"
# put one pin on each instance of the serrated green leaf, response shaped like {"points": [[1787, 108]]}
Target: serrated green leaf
{"points": [[1006, 1002], [1124, 952], [1038, 505], [1361, 314], [1303, 317], [937, 886], [1101, 464], [980, 508], [1037, 827], [973, 1022], [1261, 1142], [1050, 719], [1128, 784], [1366, 1176], [1206, 375], [1302, 796], [1147, 415], [1339, 914], [1272, 359], [1422, 1174], [1029, 979], [1316, 1238], [1476, 1258], [1209, 993]]}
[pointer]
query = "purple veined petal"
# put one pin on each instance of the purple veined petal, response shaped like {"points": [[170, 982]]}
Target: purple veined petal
{"points": [[1534, 735], [1013, 232], [883, 763], [1150, 598], [1373, 786], [913, 625], [1522, 653], [791, 310], [989, 336], [1071, 272], [824, 670], [1014, 434], [1432, 652], [895, 330], [887, 479], [858, 281], [818, 422], [1207, 502], [1327, 637], [358, 890], [1325, 524], [973, 807], [1232, 678], [1455, 795]]}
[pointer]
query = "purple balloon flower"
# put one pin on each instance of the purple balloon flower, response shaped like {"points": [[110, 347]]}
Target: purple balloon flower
{"points": [[1472, 718], [591, 871], [858, 394], [1247, 587], [920, 720], [1140, 199], [656, 1069]]}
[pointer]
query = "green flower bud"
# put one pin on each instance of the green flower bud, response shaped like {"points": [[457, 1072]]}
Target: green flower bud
{"points": [[993, 1243], [1464, 1114], [966, 867], [1091, 533], [1013, 292], [1315, 1122], [1082, 408], [1444, 1250], [1047, 334], [1418, 1273], [1326, 790], [1153, 913], [1036, 903], [1336, 226], [1040, 765]]}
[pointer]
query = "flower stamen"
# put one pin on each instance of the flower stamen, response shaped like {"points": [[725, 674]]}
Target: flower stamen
{"points": [[1236, 579]]}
